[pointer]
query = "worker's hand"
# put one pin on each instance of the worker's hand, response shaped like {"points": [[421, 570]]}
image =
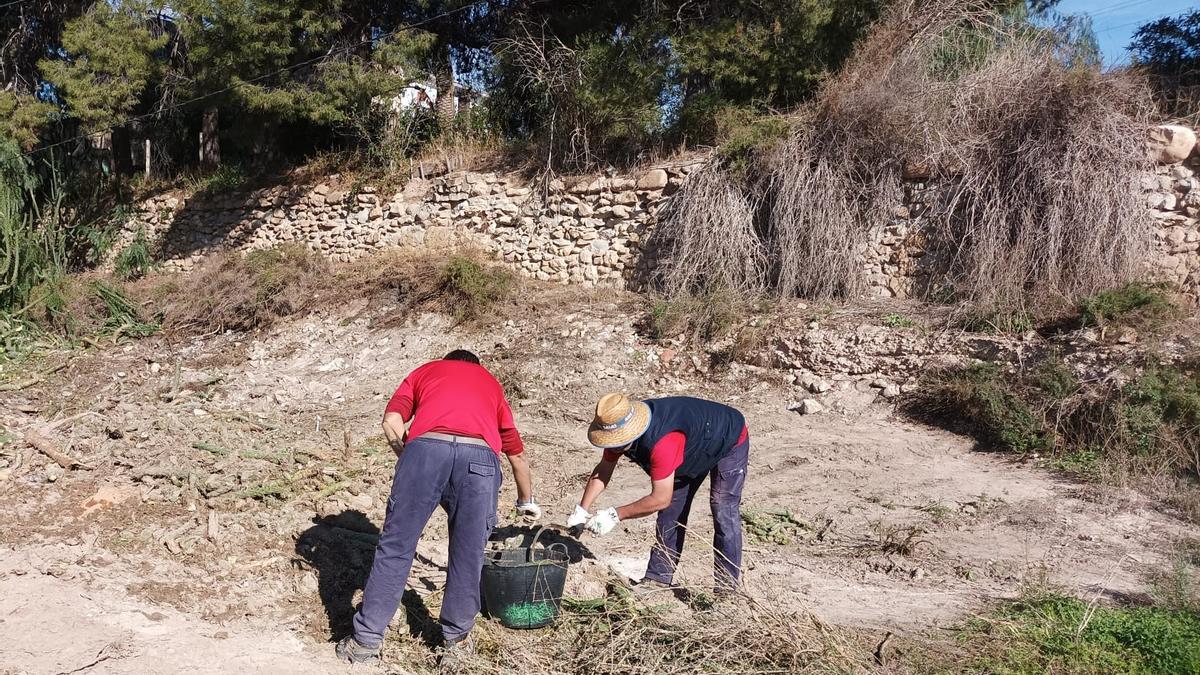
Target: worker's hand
{"points": [[579, 517], [603, 522], [529, 510]]}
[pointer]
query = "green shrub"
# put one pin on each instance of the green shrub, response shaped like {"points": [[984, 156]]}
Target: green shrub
{"points": [[469, 290], [1054, 378], [1160, 416], [226, 178], [1058, 634], [1148, 300], [1149, 426], [748, 137], [984, 398], [135, 260], [701, 318]]}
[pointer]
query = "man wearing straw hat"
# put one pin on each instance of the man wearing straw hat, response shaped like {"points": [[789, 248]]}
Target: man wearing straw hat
{"points": [[459, 424], [678, 442]]}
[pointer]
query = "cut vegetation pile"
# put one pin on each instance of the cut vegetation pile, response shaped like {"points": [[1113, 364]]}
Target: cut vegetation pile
{"points": [[621, 634], [1036, 155]]}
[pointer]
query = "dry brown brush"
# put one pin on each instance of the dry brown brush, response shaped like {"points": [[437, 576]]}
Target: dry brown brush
{"points": [[1036, 158], [629, 635]]}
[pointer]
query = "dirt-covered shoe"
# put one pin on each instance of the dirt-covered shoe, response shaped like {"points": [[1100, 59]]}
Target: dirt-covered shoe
{"points": [[349, 649], [646, 587], [454, 655]]}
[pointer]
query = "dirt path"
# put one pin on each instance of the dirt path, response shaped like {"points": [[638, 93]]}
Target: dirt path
{"points": [[54, 625], [896, 527]]}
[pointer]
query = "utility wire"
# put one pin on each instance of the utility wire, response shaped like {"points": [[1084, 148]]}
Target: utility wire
{"points": [[1118, 6], [257, 78]]}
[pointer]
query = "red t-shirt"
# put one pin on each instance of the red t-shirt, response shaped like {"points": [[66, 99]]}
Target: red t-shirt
{"points": [[457, 397], [667, 454]]}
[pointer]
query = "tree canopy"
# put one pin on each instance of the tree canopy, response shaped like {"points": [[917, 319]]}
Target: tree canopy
{"points": [[256, 81]]}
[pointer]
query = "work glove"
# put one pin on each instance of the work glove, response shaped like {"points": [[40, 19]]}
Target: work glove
{"points": [[579, 517], [603, 522], [529, 510]]}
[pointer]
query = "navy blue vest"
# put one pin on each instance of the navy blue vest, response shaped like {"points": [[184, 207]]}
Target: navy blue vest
{"points": [[711, 430]]}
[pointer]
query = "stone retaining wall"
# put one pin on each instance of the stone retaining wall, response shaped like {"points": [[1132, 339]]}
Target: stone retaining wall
{"points": [[589, 231]]}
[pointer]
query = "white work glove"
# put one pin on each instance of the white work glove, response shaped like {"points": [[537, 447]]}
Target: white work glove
{"points": [[578, 517], [529, 510], [603, 522]]}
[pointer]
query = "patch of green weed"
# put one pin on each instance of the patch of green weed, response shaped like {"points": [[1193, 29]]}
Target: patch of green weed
{"points": [[983, 397], [135, 260], [998, 321], [1148, 300], [470, 289], [1059, 634], [897, 321]]}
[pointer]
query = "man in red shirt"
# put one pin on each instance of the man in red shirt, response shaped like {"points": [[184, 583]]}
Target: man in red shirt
{"points": [[678, 442], [459, 423]]}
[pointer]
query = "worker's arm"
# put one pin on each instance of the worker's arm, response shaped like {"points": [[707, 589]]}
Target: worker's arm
{"points": [[522, 476], [393, 430], [399, 412], [597, 483], [658, 499]]}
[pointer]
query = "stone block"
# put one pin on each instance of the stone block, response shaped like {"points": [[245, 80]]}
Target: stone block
{"points": [[1171, 143], [656, 179]]}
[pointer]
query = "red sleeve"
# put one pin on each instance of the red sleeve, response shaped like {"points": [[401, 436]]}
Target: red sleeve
{"points": [[402, 400], [612, 455], [667, 455], [510, 438]]}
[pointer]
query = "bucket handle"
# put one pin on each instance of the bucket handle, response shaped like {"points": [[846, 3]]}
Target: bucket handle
{"points": [[533, 542]]}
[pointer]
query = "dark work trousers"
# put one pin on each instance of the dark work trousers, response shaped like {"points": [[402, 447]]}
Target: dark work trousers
{"points": [[465, 480], [728, 479]]}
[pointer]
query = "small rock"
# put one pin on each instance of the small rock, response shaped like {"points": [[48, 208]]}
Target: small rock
{"points": [[155, 368], [808, 406], [891, 391], [813, 383], [919, 574], [361, 502]]}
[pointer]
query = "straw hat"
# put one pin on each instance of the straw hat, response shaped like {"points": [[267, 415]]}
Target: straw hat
{"points": [[619, 421]]}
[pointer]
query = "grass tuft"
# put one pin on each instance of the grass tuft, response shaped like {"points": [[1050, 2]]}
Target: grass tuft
{"points": [[135, 260], [1057, 634]]}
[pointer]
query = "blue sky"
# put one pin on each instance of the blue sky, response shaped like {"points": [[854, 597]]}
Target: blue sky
{"points": [[1115, 20]]}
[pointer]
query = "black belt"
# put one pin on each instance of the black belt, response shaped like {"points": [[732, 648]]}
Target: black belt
{"points": [[466, 440]]}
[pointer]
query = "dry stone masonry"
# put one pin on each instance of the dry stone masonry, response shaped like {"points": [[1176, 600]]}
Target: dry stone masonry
{"points": [[591, 230], [587, 231]]}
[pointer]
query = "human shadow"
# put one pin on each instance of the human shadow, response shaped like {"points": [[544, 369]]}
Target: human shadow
{"points": [[341, 549]]}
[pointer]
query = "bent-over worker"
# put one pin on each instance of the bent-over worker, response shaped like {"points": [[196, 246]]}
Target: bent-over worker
{"points": [[459, 423], [678, 441]]}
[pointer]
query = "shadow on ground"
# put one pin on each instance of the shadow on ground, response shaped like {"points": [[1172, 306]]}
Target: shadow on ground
{"points": [[341, 549]]}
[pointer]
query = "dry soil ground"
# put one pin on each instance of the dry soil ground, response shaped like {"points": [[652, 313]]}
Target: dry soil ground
{"points": [[233, 483]]}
